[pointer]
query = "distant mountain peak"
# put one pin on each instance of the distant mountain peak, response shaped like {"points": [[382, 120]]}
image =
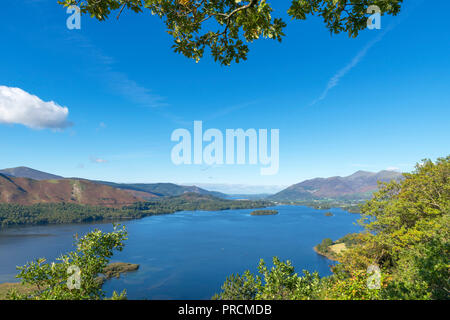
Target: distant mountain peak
{"points": [[141, 190], [28, 191], [26, 172], [361, 173], [359, 185]]}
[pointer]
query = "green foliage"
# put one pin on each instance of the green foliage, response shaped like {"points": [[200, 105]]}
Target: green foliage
{"points": [[350, 239], [278, 283], [53, 213], [91, 256], [342, 15], [352, 286], [409, 223], [194, 202], [422, 273], [225, 26], [407, 236], [352, 206], [237, 287], [323, 247], [282, 283]]}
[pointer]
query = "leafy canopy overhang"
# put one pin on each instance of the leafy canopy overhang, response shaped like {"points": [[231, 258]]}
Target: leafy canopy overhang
{"points": [[227, 26]]}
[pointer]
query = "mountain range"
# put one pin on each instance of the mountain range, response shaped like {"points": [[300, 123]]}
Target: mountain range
{"points": [[25, 172], [359, 185], [46, 181], [24, 185], [242, 189], [161, 189], [27, 191]]}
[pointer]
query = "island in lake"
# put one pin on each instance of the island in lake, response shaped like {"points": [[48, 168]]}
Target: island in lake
{"points": [[264, 212]]}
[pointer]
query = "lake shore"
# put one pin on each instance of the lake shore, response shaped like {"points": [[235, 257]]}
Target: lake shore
{"points": [[112, 270], [326, 255], [237, 238]]}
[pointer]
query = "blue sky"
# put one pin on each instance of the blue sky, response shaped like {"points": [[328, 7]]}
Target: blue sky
{"points": [[126, 91]]}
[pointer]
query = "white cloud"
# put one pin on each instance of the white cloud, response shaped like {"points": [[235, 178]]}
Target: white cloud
{"points": [[98, 160], [393, 169], [20, 107]]}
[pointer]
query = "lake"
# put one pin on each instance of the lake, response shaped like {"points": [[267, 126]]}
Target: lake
{"points": [[188, 255]]}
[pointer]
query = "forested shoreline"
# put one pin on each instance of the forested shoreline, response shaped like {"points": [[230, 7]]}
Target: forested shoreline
{"points": [[58, 213], [402, 254]]}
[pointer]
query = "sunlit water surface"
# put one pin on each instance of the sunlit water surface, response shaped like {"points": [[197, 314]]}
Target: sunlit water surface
{"points": [[188, 255]]}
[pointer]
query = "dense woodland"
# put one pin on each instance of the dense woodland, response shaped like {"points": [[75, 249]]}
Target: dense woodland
{"points": [[51, 213]]}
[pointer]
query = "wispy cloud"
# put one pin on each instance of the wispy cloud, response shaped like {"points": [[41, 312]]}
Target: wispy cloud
{"points": [[131, 155], [225, 111], [98, 160], [334, 81], [101, 126], [129, 89], [117, 81]]}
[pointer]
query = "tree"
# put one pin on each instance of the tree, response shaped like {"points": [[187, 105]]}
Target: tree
{"points": [[408, 232], [226, 26], [237, 287], [75, 275], [324, 246], [278, 283], [407, 236]]}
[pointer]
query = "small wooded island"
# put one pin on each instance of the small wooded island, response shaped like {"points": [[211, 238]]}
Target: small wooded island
{"points": [[264, 212]]}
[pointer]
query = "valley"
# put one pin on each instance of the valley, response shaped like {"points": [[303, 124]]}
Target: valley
{"points": [[29, 196]]}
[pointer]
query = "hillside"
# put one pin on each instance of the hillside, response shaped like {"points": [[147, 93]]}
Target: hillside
{"points": [[146, 191], [26, 191], [359, 185], [70, 212], [163, 189], [25, 172]]}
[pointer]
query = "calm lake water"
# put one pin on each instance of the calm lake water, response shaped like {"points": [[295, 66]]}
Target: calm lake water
{"points": [[188, 255]]}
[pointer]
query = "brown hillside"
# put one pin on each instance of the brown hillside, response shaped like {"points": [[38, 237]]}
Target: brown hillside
{"points": [[27, 191], [358, 185], [141, 194]]}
